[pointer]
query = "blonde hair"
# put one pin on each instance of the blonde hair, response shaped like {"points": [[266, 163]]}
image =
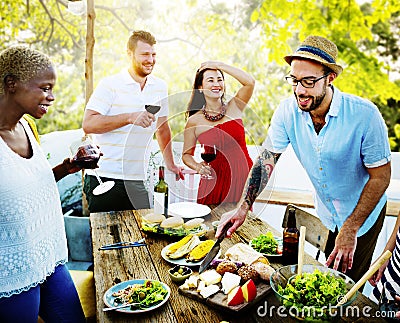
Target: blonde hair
{"points": [[141, 35], [22, 63]]}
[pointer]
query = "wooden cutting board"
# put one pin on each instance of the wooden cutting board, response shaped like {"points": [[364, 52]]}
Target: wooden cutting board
{"points": [[220, 300]]}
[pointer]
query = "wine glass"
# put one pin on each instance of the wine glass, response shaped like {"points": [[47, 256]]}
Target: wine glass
{"points": [[389, 302], [152, 108], [86, 155], [155, 107], [208, 153]]}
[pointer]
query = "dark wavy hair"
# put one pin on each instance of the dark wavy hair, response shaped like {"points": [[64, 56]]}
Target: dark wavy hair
{"points": [[197, 100]]}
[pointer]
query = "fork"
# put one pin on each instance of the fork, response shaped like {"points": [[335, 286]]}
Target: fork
{"points": [[106, 309]]}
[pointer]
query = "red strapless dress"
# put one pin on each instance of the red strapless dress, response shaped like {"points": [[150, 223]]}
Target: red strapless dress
{"points": [[230, 168]]}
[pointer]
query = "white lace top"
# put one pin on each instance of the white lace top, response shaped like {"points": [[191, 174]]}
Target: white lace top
{"points": [[32, 235]]}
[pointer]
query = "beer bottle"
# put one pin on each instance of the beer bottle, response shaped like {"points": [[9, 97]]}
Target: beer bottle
{"points": [[290, 239], [161, 194]]}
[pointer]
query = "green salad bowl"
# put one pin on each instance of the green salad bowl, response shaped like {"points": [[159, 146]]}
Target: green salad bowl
{"points": [[314, 296]]}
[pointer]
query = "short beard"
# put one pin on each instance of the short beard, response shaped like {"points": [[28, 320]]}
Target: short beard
{"points": [[316, 101], [140, 71]]}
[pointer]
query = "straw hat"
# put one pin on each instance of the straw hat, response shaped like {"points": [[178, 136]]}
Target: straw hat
{"points": [[318, 49]]}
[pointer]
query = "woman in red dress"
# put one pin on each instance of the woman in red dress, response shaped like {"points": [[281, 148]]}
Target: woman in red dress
{"points": [[212, 121]]}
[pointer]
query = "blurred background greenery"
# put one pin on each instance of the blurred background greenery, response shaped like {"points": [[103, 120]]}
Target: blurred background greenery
{"points": [[251, 34]]}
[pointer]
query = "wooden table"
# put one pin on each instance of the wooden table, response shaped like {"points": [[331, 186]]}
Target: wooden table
{"points": [[114, 266]]}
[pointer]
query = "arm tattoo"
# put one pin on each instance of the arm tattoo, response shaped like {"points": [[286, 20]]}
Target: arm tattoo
{"points": [[260, 174]]}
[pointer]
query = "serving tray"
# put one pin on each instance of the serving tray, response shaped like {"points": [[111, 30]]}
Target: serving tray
{"points": [[219, 300]]}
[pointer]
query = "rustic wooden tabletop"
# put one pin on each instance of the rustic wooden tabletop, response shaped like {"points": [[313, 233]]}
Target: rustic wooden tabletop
{"points": [[114, 266]]}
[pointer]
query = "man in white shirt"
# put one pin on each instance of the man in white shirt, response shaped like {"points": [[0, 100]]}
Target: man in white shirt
{"points": [[115, 114]]}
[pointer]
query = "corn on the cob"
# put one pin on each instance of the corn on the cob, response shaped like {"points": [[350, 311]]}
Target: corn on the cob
{"points": [[185, 249], [174, 247], [200, 251]]}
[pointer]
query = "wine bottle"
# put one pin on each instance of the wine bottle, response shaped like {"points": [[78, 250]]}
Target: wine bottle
{"points": [[161, 194], [290, 239]]}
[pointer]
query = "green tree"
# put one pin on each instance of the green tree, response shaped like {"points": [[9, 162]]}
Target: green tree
{"points": [[367, 39], [251, 34]]}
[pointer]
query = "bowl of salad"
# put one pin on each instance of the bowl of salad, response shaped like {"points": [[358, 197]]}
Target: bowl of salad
{"points": [[314, 295], [267, 244]]}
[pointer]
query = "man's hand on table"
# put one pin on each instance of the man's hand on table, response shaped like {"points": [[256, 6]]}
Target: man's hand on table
{"points": [[345, 246], [236, 216]]}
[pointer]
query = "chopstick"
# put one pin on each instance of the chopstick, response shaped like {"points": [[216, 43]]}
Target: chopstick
{"points": [[123, 244], [300, 257]]}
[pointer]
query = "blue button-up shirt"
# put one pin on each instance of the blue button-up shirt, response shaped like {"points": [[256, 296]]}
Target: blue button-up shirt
{"points": [[354, 137]]}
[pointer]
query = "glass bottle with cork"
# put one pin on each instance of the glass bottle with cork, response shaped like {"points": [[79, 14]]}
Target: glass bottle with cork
{"points": [[290, 239], [161, 194]]}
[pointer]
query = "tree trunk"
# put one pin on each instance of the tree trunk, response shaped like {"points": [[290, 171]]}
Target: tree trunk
{"points": [[90, 40]]}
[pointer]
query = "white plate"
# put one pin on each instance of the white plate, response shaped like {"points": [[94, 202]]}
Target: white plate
{"points": [[109, 299], [188, 210], [182, 261]]}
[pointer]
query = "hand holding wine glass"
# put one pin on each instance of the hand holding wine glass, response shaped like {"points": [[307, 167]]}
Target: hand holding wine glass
{"points": [[86, 155], [208, 153]]}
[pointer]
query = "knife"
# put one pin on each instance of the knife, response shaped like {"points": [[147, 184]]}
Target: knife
{"points": [[214, 250]]}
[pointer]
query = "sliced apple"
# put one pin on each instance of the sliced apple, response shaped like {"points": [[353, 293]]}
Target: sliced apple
{"points": [[235, 296], [249, 290]]}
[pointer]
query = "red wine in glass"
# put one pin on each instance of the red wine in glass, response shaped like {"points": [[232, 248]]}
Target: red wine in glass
{"points": [[87, 155], [208, 157], [208, 154], [152, 108]]}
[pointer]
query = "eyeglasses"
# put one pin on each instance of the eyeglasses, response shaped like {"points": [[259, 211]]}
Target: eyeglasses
{"points": [[305, 82]]}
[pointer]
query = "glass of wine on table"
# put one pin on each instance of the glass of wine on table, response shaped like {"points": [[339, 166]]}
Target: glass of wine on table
{"points": [[208, 153], [86, 155]]}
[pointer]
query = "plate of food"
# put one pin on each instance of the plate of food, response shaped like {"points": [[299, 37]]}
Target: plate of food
{"points": [[173, 226], [189, 251], [268, 244], [150, 294], [188, 210]]}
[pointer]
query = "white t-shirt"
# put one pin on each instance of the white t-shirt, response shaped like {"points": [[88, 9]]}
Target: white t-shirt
{"points": [[32, 235], [124, 148]]}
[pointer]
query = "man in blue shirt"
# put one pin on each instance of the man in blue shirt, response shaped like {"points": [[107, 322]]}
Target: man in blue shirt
{"points": [[341, 141]]}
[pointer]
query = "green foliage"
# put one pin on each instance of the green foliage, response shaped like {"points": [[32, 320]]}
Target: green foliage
{"points": [[359, 33], [251, 34], [391, 114]]}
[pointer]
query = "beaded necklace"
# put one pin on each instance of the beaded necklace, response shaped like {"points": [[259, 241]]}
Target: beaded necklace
{"points": [[217, 117]]}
